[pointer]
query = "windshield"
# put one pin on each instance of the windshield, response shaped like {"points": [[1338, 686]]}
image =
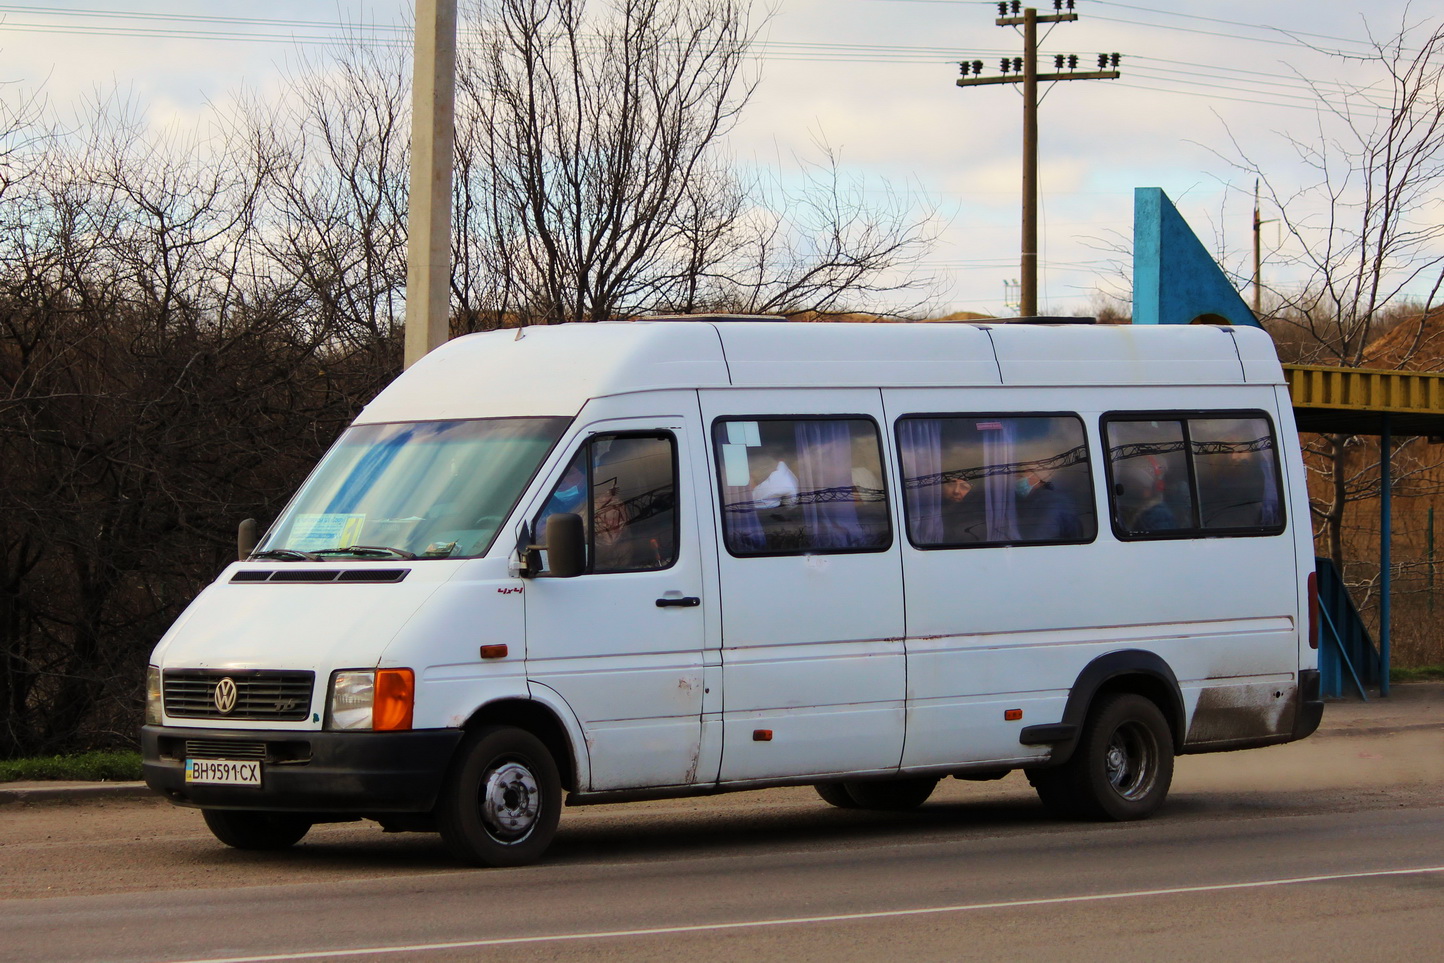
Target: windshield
{"points": [[427, 489]]}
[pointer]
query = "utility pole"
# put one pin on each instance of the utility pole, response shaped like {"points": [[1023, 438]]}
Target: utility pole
{"points": [[1024, 70], [428, 220], [1258, 255]]}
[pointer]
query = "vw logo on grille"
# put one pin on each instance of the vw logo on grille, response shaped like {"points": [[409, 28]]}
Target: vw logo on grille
{"points": [[225, 696]]}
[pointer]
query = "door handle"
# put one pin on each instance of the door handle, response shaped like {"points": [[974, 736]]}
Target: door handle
{"points": [[685, 602]]}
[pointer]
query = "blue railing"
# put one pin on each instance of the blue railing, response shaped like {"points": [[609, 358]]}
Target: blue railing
{"points": [[1346, 650]]}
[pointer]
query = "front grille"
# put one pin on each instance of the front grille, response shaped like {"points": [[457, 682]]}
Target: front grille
{"points": [[275, 752], [216, 749], [261, 694]]}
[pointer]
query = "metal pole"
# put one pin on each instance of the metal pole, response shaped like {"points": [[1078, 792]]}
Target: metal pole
{"points": [[1430, 535], [1257, 257], [1385, 561], [428, 222], [1030, 164]]}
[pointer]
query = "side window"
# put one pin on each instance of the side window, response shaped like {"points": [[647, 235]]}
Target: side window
{"points": [[625, 489], [1187, 476], [972, 480], [1149, 471], [792, 486]]}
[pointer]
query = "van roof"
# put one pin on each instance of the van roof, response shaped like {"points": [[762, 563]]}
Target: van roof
{"points": [[555, 369]]}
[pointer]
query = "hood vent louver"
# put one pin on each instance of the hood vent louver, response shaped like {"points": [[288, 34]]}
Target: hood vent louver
{"points": [[292, 576]]}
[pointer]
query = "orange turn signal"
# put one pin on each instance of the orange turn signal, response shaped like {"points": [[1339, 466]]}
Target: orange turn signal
{"points": [[395, 697], [1012, 715], [761, 735], [495, 651]]}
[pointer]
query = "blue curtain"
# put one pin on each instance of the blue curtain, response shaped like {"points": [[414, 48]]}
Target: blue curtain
{"points": [[740, 527], [998, 486], [1268, 512], [920, 445], [824, 477]]}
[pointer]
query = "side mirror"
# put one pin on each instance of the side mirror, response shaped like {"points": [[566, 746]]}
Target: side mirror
{"points": [[566, 545], [246, 539]]}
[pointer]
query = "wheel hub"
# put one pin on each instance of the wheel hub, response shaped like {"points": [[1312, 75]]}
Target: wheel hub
{"points": [[510, 802], [1129, 760]]}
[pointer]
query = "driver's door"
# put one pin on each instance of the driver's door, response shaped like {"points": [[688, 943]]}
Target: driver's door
{"points": [[622, 642]]}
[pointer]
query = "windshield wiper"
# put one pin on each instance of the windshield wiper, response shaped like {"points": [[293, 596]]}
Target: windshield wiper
{"points": [[294, 555], [382, 551]]}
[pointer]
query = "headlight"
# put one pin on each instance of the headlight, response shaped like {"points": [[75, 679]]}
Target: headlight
{"points": [[153, 700], [377, 699]]}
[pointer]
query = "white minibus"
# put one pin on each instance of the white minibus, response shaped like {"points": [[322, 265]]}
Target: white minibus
{"points": [[597, 562]]}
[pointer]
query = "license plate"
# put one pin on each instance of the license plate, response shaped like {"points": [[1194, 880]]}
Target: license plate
{"points": [[224, 772]]}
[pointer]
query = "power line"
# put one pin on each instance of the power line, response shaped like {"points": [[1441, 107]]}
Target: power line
{"points": [[268, 22], [1244, 85], [1291, 34]]}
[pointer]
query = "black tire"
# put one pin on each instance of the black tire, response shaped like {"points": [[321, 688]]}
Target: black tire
{"points": [[1121, 768], [835, 794], [502, 800], [257, 830], [892, 795]]}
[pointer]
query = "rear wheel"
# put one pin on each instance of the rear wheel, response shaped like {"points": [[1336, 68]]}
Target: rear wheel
{"points": [[892, 795], [1121, 768], [502, 800], [257, 830]]}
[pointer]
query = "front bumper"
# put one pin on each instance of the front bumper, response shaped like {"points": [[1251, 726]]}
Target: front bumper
{"points": [[360, 773]]}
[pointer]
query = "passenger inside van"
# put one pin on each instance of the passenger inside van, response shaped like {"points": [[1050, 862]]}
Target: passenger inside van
{"points": [[1236, 474], [1142, 482], [1045, 514], [964, 516]]}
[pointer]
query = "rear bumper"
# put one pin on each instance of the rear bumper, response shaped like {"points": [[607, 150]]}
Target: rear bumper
{"points": [[359, 773], [1310, 710]]}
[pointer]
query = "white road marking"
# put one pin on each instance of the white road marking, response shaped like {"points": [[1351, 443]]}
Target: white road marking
{"points": [[807, 920]]}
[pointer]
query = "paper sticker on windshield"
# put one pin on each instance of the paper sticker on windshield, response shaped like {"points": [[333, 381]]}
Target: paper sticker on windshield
{"points": [[310, 533]]}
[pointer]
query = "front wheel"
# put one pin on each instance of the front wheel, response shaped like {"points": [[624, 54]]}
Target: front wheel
{"points": [[1121, 768], [257, 830], [502, 800]]}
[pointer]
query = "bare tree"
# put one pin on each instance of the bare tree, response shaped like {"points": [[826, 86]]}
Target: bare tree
{"points": [[155, 387], [336, 197], [827, 249], [595, 135], [593, 185]]}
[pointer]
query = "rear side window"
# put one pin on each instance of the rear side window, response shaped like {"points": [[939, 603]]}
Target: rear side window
{"points": [[973, 480], [793, 486], [1193, 475]]}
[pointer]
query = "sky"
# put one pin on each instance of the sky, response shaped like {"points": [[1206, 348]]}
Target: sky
{"points": [[1203, 84]]}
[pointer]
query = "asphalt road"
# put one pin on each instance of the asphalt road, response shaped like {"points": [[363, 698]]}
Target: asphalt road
{"points": [[1331, 849]]}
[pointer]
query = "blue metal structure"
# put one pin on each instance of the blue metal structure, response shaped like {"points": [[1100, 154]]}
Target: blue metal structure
{"points": [[1175, 280], [1346, 652]]}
